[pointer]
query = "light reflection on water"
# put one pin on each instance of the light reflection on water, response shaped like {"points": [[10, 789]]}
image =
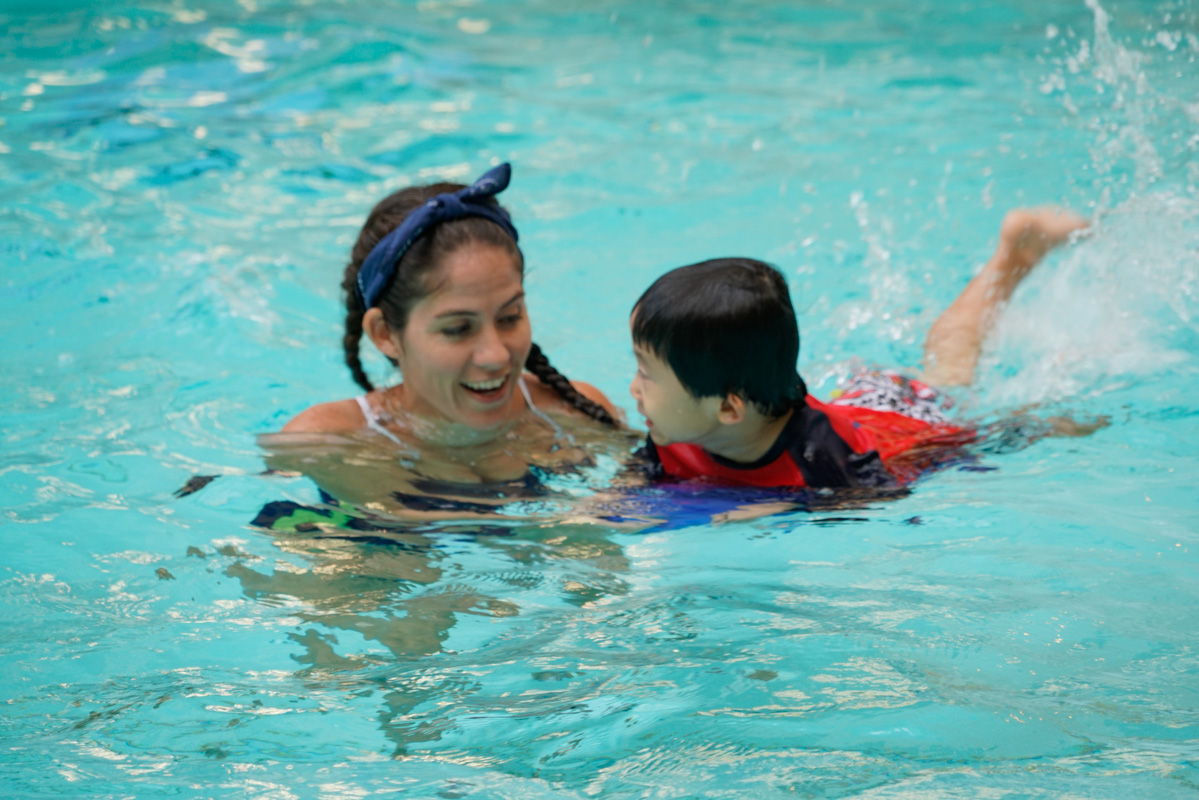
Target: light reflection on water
{"points": [[180, 187]]}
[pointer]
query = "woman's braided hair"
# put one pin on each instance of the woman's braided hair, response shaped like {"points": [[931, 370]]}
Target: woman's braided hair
{"points": [[540, 366], [409, 285]]}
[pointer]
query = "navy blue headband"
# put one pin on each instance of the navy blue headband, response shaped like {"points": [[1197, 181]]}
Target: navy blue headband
{"points": [[380, 265]]}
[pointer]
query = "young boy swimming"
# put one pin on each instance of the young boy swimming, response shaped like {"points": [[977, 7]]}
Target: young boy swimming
{"points": [[716, 346]]}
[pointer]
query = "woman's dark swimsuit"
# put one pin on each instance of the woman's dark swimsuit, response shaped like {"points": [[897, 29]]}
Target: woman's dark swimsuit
{"points": [[335, 517], [434, 493]]}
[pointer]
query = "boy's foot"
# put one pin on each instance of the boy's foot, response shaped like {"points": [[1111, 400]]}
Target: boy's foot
{"points": [[1029, 233], [955, 340]]}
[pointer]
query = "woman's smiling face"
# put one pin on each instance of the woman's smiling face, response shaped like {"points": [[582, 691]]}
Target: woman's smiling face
{"points": [[466, 342]]}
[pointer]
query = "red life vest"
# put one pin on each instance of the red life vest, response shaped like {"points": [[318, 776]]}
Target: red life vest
{"points": [[826, 445]]}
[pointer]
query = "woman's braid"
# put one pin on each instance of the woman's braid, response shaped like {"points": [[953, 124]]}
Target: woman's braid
{"points": [[540, 366], [353, 337]]}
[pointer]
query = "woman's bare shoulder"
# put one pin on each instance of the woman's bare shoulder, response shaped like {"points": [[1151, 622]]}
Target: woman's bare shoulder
{"points": [[546, 397], [596, 396], [338, 416]]}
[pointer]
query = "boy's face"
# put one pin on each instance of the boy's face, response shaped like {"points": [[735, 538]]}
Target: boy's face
{"points": [[671, 413]]}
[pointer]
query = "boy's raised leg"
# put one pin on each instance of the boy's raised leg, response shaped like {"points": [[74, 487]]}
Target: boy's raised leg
{"points": [[955, 340]]}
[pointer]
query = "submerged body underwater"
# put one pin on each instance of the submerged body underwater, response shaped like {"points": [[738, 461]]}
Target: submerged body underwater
{"points": [[182, 187]]}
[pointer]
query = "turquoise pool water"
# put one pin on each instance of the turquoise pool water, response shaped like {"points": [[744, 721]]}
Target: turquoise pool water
{"points": [[181, 182]]}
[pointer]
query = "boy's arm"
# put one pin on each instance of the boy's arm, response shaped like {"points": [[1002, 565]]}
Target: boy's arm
{"points": [[756, 511]]}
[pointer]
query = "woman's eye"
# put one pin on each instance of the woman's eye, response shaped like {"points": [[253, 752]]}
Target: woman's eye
{"points": [[511, 320], [456, 330]]}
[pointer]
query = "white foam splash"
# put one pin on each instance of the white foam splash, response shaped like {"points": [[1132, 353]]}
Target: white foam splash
{"points": [[1121, 305]]}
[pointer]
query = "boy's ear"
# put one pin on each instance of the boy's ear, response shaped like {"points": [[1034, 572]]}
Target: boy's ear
{"points": [[379, 332], [732, 409]]}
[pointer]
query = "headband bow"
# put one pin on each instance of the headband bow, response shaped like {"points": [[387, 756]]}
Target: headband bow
{"points": [[380, 265]]}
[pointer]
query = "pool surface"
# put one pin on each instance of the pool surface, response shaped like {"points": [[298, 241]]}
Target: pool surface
{"points": [[181, 184]]}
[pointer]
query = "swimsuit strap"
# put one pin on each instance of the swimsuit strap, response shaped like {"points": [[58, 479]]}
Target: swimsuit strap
{"points": [[372, 421], [524, 389]]}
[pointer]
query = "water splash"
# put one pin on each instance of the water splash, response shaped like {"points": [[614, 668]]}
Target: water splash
{"points": [[1123, 70], [1121, 306], [1143, 129]]}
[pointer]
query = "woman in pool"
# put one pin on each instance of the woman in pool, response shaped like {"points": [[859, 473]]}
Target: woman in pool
{"points": [[435, 281]]}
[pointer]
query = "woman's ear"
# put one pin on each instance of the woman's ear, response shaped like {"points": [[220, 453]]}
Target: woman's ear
{"points": [[380, 333], [732, 409]]}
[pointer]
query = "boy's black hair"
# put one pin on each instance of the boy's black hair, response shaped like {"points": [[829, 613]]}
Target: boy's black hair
{"points": [[725, 326]]}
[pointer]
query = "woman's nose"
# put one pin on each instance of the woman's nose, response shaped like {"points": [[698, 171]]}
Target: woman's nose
{"points": [[491, 353]]}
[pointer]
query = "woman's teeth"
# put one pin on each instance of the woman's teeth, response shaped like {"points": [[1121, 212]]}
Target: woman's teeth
{"points": [[486, 386]]}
